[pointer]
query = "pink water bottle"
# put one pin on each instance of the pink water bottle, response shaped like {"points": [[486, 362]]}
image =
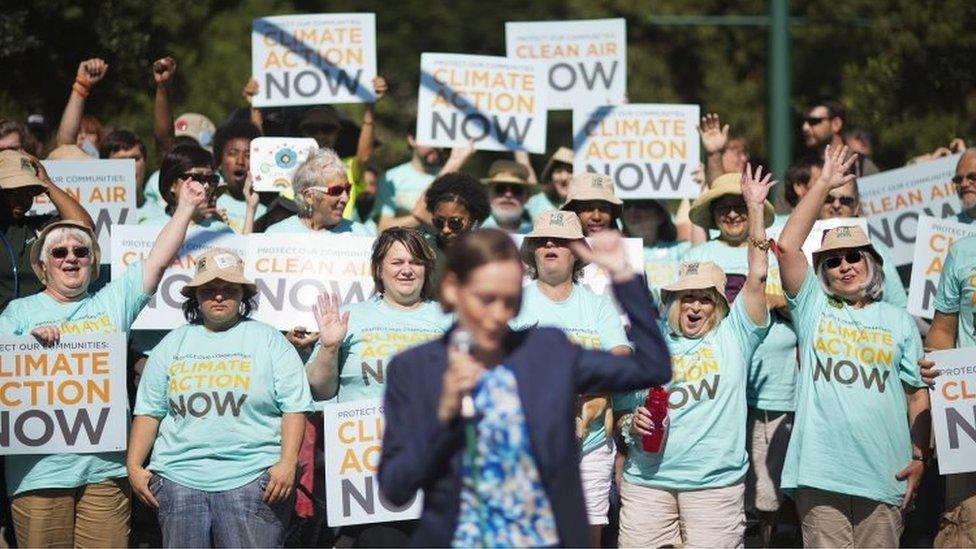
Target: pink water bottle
{"points": [[657, 404]]}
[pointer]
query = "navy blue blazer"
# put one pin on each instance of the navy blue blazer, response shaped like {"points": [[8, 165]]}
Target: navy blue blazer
{"points": [[420, 452]]}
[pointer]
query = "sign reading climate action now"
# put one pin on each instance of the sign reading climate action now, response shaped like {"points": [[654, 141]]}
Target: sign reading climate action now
{"points": [[649, 150], [353, 442], [105, 188], [954, 410], [932, 243], [893, 200], [496, 102], [291, 273], [134, 242], [585, 61], [67, 399], [312, 59]]}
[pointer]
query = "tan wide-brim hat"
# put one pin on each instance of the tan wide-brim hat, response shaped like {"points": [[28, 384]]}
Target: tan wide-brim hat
{"points": [[17, 171], [697, 276], [552, 224], [69, 152], [35, 251], [845, 238], [728, 184], [222, 264], [507, 171], [563, 155], [592, 186]]}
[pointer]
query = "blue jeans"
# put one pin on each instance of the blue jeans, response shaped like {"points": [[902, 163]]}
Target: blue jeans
{"points": [[233, 518]]}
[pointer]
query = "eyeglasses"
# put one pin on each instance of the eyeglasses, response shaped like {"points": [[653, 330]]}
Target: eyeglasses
{"points": [[206, 179], [851, 258], [814, 120], [333, 190], [501, 189], [61, 252], [456, 224], [970, 178], [848, 201]]}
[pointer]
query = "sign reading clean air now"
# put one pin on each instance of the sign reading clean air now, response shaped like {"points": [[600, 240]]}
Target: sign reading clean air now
{"points": [[954, 410]]}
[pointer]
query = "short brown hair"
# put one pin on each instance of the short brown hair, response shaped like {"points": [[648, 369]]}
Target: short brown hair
{"points": [[418, 247], [481, 247]]}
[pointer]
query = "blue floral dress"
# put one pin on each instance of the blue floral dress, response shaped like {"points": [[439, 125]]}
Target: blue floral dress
{"points": [[503, 502]]}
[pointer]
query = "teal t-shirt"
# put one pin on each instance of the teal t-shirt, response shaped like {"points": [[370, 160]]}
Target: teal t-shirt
{"points": [[850, 434], [588, 319], [661, 262], [220, 397], [294, 225], [112, 309], [525, 226], [399, 190], [236, 210], [772, 375], [705, 445], [376, 332], [957, 289], [538, 204], [151, 213]]}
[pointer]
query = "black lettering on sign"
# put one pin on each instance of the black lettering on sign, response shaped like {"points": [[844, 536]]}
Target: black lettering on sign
{"points": [[956, 421], [478, 127], [309, 82], [562, 76], [283, 293], [69, 432], [366, 497], [630, 176]]}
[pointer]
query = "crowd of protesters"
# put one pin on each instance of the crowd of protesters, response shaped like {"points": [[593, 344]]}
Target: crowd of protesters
{"points": [[730, 323]]}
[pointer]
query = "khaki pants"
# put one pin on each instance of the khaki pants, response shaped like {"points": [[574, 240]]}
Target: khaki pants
{"points": [[830, 519], [957, 527], [93, 515], [651, 517], [769, 436]]}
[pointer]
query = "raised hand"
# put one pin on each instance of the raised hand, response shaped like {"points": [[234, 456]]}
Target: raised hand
{"points": [[755, 186], [332, 325], [714, 135], [837, 166], [380, 88], [251, 198], [251, 88], [163, 70], [90, 71], [607, 251], [458, 157], [192, 195]]}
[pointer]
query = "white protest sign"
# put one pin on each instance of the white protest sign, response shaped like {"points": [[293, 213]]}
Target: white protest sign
{"points": [[496, 102], [134, 242], [954, 410], [650, 150], [292, 270], [105, 188], [67, 399], [274, 161], [932, 243], [893, 200], [314, 59], [585, 61], [353, 442]]}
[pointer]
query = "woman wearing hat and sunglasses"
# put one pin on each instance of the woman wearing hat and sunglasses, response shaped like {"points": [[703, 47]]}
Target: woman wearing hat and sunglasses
{"points": [[68, 500], [854, 461], [691, 491], [556, 299], [222, 405]]}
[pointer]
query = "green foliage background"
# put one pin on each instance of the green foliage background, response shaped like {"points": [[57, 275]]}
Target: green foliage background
{"points": [[905, 72]]}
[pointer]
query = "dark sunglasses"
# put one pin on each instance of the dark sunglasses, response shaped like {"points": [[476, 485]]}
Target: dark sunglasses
{"points": [[970, 177], [726, 208], [848, 201], [814, 120], [61, 252], [333, 190], [456, 224], [501, 189], [205, 179], [851, 258]]}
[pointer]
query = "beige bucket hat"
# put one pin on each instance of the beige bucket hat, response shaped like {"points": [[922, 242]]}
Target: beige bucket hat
{"points": [[507, 171], [728, 184], [552, 224], [17, 171], [697, 276], [845, 238], [592, 186], [563, 155], [35, 251], [69, 152], [219, 263]]}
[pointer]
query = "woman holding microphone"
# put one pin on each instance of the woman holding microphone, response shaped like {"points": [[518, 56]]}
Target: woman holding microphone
{"points": [[505, 472]]}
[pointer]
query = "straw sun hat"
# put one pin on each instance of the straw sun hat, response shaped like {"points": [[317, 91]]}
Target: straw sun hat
{"points": [[728, 184]]}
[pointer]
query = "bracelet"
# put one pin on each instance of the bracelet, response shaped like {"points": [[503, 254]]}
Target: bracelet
{"points": [[760, 244], [79, 89], [83, 80]]}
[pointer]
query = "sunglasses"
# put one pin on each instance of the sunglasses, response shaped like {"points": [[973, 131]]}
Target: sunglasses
{"points": [[851, 258], [501, 189], [61, 252], [726, 208], [970, 178], [205, 179], [456, 224], [814, 120], [848, 201], [333, 190]]}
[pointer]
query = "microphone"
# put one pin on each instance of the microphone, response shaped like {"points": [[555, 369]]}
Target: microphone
{"points": [[462, 341]]}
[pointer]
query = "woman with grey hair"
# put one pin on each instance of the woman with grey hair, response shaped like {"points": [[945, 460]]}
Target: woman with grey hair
{"points": [[853, 460], [321, 189]]}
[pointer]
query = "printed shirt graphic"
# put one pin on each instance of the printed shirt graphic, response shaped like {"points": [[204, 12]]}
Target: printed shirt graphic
{"points": [[850, 434], [109, 310], [957, 289], [399, 189], [661, 263], [220, 397], [705, 445], [507, 506], [294, 225], [588, 320], [376, 332], [772, 374]]}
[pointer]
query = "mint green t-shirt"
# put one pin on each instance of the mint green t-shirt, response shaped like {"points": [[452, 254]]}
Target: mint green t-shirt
{"points": [[538, 204], [376, 332], [705, 445], [661, 263], [957, 289], [894, 291], [220, 397], [236, 211], [399, 189], [112, 309], [772, 375], [294, 225], [850, 434], [525, 226], [588, 319]]}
